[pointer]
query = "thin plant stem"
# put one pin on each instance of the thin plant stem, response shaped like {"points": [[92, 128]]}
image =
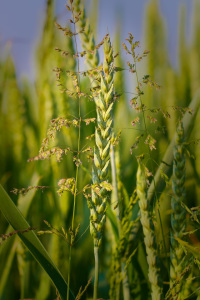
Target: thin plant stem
{"points": [[116, 197], [96, 275], [125, 283], [77, 167]]}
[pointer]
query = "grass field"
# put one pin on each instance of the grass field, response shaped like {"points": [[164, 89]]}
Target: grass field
{"points": [[100, 186]]}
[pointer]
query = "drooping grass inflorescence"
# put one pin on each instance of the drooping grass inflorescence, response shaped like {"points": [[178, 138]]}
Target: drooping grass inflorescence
{"points": [[149, 234]]}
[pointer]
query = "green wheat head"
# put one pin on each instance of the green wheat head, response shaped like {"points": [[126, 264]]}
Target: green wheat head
{"points": [[86, 35], [177, 254], [149, 234], [104, 105]]}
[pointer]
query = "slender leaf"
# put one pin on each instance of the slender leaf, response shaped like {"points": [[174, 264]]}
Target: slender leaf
{"points": [[8, 248], [113, 221], [17, 221]]}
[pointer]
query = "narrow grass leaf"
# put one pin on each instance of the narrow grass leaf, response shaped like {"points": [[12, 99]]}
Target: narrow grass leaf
{"points": [[8, 248], [17, 221], [113, 221]]}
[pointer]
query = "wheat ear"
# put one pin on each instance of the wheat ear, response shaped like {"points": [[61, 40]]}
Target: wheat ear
{"points": [[178, 212], [86, 35], [149, 234], [104, 105]]}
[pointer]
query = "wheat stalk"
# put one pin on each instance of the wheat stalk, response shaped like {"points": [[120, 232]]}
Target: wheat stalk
{"points": [[104, 106]]}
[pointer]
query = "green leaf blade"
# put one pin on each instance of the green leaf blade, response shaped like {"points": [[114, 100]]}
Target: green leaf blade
{"points": [[17, 221]]}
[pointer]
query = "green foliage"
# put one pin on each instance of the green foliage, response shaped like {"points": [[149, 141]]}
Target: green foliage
{"points": [[18, 222]]}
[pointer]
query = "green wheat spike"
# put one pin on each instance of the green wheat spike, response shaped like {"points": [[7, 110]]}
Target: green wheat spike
{"points": [[183, 80], [177, 254], [86, 36], [196, 25], [44, 70], [149, 235], [194, 63], [122, 109], [171, 96], [155, 36], [104, 106], [13, 107], [194, 59], [88, 43], [93, 16]]}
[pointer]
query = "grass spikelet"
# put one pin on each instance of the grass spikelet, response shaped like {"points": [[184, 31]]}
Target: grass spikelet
{"points": [[149, 234]]}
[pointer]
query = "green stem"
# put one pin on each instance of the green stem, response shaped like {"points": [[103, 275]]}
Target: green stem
{"points": [[96, 275], [69, 268], [116, 201], [77, 169], [126, 290]]}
